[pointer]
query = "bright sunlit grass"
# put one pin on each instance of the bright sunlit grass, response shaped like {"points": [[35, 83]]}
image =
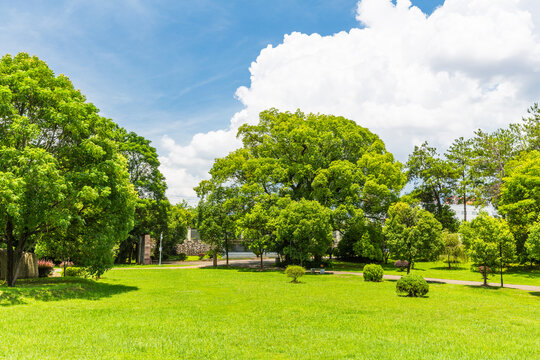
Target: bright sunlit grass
{"points": [[238, 314]]}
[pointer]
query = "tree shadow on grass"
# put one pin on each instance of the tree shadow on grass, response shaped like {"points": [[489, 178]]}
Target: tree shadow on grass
{"points": [[240, 268], [55, 289]]}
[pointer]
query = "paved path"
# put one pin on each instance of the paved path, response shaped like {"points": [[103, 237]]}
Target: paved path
{"points": [[254, 263], [449, 281]]}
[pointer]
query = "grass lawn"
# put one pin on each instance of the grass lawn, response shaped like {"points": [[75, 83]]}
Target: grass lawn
{"points": [[238, 314], [515, 275]]}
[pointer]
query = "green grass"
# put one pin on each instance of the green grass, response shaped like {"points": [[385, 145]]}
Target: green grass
{"points": [[236, 314], [514, 275], [133, 266]]}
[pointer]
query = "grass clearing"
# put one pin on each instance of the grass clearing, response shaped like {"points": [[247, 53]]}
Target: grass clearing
{"points": [[241, 314], [521, 275]]}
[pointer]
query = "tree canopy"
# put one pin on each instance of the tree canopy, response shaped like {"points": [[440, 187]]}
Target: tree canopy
{"points": [[327, 159], [61, 171]]}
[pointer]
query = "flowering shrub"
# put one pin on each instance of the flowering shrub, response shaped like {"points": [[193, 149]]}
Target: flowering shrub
{"points": [[401, 264], [66, 264], [45, 267]]}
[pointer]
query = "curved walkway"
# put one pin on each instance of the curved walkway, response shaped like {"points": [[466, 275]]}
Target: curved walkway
{"points": [[455, 282], [270, 263]]}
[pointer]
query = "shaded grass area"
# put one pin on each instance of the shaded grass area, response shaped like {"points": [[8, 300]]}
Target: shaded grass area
{"points": [[136, 266], [30, 291], [522, 275], [233, 314]]}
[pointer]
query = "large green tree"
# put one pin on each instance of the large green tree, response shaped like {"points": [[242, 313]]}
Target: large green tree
{"points": [[323, 158], [520, 196], [152, 207], [61, 172], [435, 180], [413, 233]]}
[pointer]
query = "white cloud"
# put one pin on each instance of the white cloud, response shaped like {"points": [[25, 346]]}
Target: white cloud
{"points": [[406, 76]]}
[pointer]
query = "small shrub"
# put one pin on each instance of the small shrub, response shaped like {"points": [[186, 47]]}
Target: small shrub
{"points": [[294, 272], [182, 257], [373, 272], [401, 264], [484, 269], [201, 256], [45, 268], [76, 272], [412, 285]]}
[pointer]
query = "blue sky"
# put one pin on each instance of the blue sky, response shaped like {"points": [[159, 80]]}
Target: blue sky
{"points": [[165, 67]]}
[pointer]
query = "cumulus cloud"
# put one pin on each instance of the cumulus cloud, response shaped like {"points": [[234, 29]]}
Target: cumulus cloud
{"points": [[404, 75]]}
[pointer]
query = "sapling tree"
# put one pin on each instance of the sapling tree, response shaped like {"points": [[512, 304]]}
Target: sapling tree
{"points": [[412, 233], [489, 243]]}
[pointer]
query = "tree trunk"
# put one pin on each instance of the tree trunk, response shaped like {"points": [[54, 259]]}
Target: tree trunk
{"points": [[227, 249], [12, 263], [409, 267], [464, 208], [214, 260], [484, 273], [502, 285], [449, 266], [262, 250]]}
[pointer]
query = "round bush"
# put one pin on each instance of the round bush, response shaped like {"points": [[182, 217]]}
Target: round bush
{"points": [[412, 285], [182, 257], [373, 272], [294, 272]]}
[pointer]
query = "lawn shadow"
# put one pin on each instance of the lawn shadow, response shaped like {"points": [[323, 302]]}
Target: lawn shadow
{"points": [[242, 268], [55, 289], [449, 269], [535, 293]]}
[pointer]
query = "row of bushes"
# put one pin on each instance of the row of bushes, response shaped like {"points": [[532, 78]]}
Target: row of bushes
{"points": [[409, 285]]}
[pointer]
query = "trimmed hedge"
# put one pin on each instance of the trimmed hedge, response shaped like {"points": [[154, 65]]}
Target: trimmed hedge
{"points": [[412, 285], [373, 272]]}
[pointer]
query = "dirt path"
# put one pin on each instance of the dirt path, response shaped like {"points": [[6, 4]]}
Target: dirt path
{"points": [[254, 263]]}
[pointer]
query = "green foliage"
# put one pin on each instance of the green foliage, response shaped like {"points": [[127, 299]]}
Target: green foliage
{"points": [[452, 247], [373, 272], [304, 230], [532, 245], [182, 257], [492, 152], [295, 272], [461, 157], [217, 215], [62, 175], [412, 285], [435, 180], [258, 228], [76, 272], [489, 242], [412, 233], [290, 157], [520, 196]]}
